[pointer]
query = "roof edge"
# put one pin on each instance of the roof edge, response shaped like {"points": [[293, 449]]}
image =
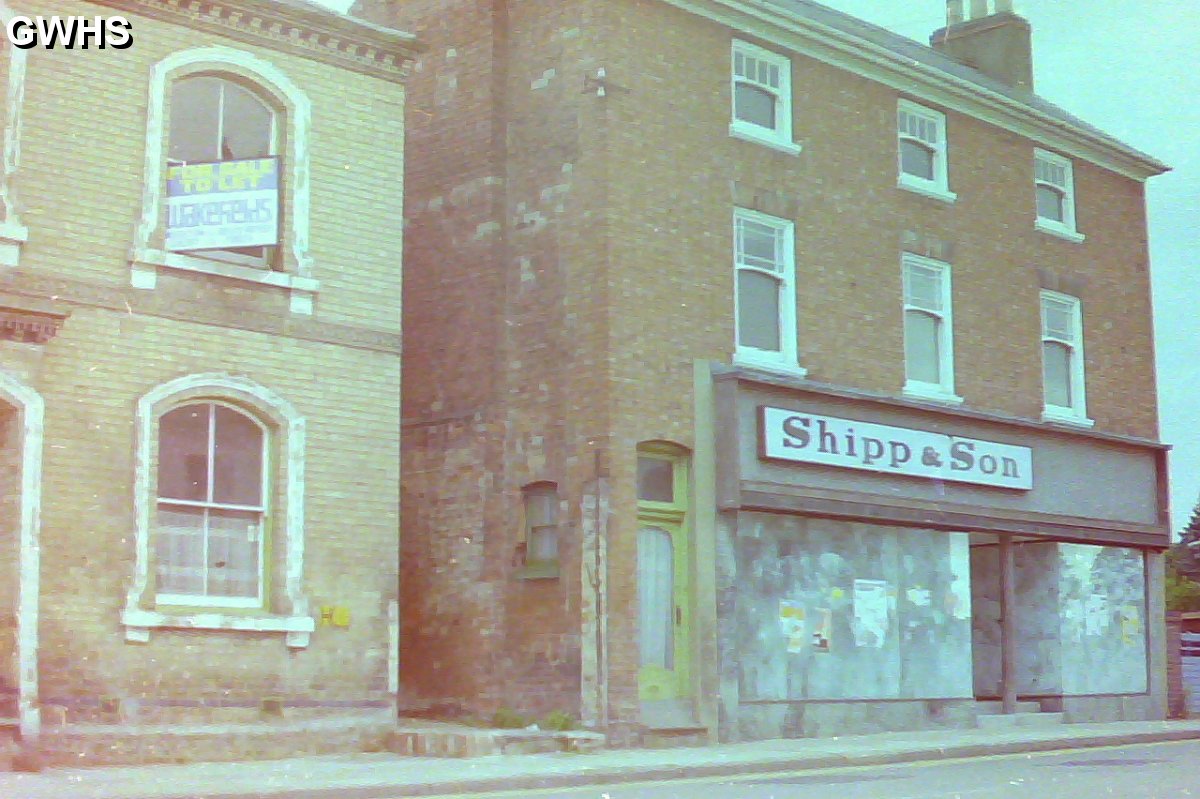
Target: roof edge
{"points": [[844, 50]]}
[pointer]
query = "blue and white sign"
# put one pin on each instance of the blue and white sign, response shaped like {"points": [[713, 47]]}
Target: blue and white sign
{"points": [[788, 435], [222, 205]]}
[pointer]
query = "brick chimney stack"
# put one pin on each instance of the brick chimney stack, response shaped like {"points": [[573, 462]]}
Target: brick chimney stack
{"points": [[989, 36]]}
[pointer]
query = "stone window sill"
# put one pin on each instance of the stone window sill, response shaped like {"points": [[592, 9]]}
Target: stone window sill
{"points": [[930, 393], [764, 137], [539, 570], [1058, 229], [138, 624], [925, 188], [1066, 416], [146, 263]]}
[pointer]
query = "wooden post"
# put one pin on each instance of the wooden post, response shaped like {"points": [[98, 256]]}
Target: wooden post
{"points": [[1008, 627]]}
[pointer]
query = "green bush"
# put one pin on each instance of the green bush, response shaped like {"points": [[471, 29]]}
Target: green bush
{"points": [[508, 719], [558, 721]]}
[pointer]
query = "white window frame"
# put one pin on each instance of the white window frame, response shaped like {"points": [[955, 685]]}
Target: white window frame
{"points": [[939, 187], [13, 233], [289, 612], [942, 391], [1066, 229], [149, 255], [779, 137], [1076, 413], [262, 509], [785, 359]]}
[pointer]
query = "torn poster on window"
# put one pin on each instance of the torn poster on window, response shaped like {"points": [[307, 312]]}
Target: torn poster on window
{"points": [[1095, 614], [1131, 624], [821, 632], [792, 623], [870, 613]]}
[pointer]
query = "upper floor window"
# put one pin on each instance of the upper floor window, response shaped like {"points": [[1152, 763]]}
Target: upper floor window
{"points": [[1054, 191], [922, 150], [1062, 359], [215, 120], [211, 507], [762, 97], [764, 291], [226, 180], [928, 330]]}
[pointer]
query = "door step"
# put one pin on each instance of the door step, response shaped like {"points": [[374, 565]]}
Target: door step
{"points": [[1000, 721], [674, 737], [996, 707]]}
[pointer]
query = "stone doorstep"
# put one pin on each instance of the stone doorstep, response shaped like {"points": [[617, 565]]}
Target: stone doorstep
{"points": [[462, 742]]}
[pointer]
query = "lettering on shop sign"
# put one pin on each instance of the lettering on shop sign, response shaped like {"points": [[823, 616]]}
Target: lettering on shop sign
{"points": [[788, 435]]}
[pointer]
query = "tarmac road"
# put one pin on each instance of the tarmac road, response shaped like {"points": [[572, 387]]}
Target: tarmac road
{"points": [[1148, 771]]}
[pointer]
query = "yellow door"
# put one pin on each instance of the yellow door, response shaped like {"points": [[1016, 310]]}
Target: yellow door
{"points": [[662, 609]]}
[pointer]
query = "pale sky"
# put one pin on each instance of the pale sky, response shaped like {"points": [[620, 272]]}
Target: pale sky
{"points": [[1132, 69]]}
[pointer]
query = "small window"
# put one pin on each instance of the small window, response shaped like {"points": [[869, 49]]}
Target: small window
{"points": [[656, 479], [541, 530], [764, 293], [922, 151], [211, 507], [1054, 195], [1062, 359], [214, 119], [762, 101], [928, 330]]}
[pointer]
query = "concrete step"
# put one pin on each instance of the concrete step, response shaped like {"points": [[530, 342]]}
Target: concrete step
{"points": [[456, 741], [996, 707], [674, 737], [1001, 721]]}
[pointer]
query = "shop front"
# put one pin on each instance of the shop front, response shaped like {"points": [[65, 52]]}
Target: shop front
{"points": [[882, 565]]}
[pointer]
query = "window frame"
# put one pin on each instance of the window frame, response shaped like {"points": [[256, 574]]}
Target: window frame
{"points": [[539, 568], [1076, 413], [786, 358], [261, 600], [942, 391], [287, 610], [779, 137], [1067, 228], [148, 254], [937, 187]]}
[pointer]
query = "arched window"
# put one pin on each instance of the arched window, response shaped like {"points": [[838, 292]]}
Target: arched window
{"points": [[211, 507]]}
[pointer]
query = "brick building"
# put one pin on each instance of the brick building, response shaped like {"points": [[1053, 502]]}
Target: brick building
{"points": [[199, 414], [770, 374]]}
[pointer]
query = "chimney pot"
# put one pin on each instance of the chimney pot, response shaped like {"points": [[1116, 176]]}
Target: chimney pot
{"points": [[954, 12], [979, 9]]}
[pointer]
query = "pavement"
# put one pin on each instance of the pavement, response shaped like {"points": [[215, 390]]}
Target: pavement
{"points": [[389, 775]]}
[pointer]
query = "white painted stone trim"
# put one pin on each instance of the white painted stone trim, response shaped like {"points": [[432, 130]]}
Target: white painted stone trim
{"points": [[145, 264], [295, 620], [12, 232], [32, 410], [393, 666], [149, 235]]}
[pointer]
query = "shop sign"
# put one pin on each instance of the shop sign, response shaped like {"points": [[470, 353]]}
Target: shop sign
{"points": [[788, 435]]}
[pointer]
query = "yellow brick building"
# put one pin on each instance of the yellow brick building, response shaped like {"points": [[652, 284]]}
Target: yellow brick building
{"points": [[200, 442]]}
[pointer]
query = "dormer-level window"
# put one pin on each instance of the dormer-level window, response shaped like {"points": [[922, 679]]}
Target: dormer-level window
{"points": [[922, 150], [1054, 193], [762, 97]]}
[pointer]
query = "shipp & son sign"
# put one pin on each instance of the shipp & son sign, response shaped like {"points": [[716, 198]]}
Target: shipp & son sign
{"points": [[787, 435]]}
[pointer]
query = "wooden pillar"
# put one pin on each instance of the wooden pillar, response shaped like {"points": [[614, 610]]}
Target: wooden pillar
{"points": [[1008, 627]]}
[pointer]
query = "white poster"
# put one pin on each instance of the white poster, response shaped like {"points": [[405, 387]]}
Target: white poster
{"points": [[792, 624], [870, 613], [1095, 614]]}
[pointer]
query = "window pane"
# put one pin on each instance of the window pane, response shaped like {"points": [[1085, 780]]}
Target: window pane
{"points": [[1056, 368], [543, 543], [656, 480], [183, 453], [541, 506], [237, 468], [179, 550], [247, 126], [755, 104], [916, 159], [758, 311], [1050, 204], [195, 104], [233, 538], [1058, 320], [923, 286], [759, 245], [656, 598], [922, 349]]}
